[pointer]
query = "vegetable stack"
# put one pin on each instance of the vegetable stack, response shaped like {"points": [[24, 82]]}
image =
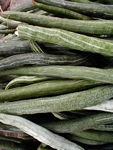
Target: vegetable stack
{"points": [[56, 75]]}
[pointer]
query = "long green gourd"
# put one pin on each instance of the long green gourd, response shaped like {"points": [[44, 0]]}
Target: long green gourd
{"points": [[66, 102], [94, 9], [78, 125], [61, 11], [50, 87], [66, 38], [7, 31], [69, 72], [96, 135], [40, 59], [39, 133], [81, 26], [84, 140], [13, 46]]}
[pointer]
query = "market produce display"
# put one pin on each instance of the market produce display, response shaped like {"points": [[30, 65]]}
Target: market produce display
{"points": [[56, 76]]}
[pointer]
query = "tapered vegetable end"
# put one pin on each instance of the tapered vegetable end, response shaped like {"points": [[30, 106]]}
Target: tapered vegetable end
{"points": [[16, 32]]}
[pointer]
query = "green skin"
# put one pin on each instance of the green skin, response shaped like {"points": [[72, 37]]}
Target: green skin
{"points": [[96, 135], [93, 9], [96, 27], [61, 11], [14, 46], [69, 72], [39, 133], [50, 87], [78, 125], [66, 38], [10, 23], [6, 31], [66, 102], [40, 60], [84, 140]]}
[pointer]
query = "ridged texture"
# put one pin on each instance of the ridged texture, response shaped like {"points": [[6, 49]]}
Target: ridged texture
{"points": [[90, 9], [66, 102], [61, 11], [96, 135], [96, 27], [80, 124], [66, 38], [14, 46], [37, 132], [69, 72], [40, 59]]}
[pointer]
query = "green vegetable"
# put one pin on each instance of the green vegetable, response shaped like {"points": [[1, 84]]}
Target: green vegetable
{"points": [[69, 72], [41, 134], [84, 140], [93, 9], [97, 27], [39, 60], [7, 31], [66, 102], [80, 124], [66, 38], [13, 46], [96, 135], [61, 11], [50, 87]]}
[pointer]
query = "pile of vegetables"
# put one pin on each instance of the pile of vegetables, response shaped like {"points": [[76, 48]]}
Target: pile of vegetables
{"points": [[56, 76]]}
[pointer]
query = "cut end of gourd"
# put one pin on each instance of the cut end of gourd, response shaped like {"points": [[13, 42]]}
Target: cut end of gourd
{"points": [[16, 32]]}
